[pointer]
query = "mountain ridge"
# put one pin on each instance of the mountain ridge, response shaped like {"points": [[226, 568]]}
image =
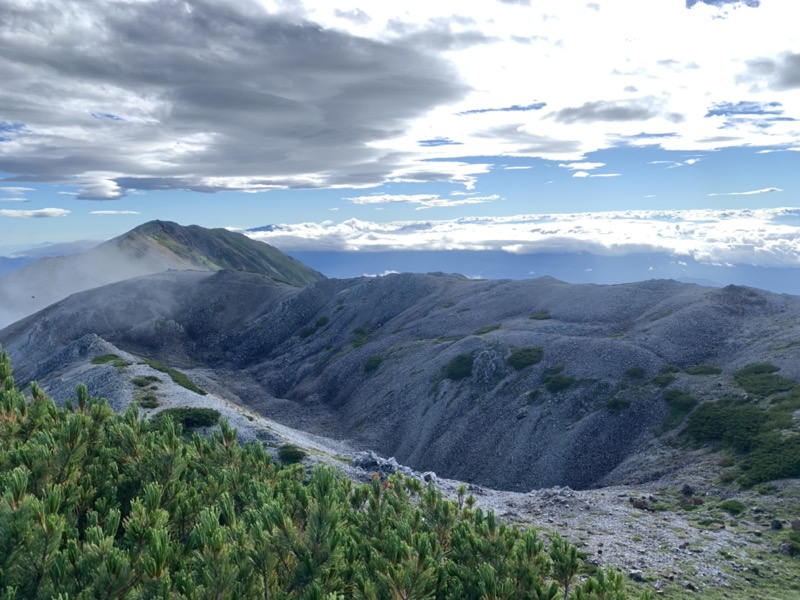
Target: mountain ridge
{"points": [[373, 361]]}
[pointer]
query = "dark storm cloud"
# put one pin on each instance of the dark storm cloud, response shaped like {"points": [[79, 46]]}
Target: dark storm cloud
{"points": [[165, 91]]}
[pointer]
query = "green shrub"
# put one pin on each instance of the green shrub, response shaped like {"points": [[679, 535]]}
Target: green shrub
{"points": [[635, 373], [459, 368], [541, 315], [558, 383], [704, 370], [180, 378], [534, 396], [680, 404], [760, 379], [307, 332], [148, 401], [729, 421], [524, 357], [775, 457], [487, 329], [290, 454], [321, 322], [733, 507], [663, 379], [373, 362], [189, 416], [669, 369], [617, 406]]}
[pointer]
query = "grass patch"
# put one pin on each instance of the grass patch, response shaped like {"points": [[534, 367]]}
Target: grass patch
{"points": [[558, 383], [541, 315], [524, 357], [146, 381], [180, 378], [459, 368], [189, 417], [373, 362], [487, 329], [760, 379], [704, 370], [290, 454], [112, 359]]}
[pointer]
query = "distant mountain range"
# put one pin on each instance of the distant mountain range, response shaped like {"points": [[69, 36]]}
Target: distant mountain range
{"points": [[510, 384], [571, 267], [150, 248]]}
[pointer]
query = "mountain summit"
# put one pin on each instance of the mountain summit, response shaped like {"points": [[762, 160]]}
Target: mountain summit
{"points": [[150, 248]]}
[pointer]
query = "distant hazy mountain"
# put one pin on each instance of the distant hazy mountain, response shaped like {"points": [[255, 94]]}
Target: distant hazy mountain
{"points": [[570, 267], [150, 248], [17, 260]]}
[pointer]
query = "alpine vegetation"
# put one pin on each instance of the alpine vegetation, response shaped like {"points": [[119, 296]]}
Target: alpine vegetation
{"points": [[95, 504]]}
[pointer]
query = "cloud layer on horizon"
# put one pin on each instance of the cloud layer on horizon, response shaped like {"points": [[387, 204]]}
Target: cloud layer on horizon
{"points": [[252, 96], [766, 237]]}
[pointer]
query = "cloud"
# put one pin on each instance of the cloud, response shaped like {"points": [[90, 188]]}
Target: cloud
{"points": [[257, 95], [769, 190], [781, 73], [751, 3], [610, 111], [42, 213], [114, 212], [582, 166], [584, 174], [15, 192], [424, 201], [763, 237], [208, 96], [517, 167]]}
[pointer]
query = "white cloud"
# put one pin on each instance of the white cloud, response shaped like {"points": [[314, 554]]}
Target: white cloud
{"points": [[516, 168], [14, 191], [114, 212], [582, 166], [42, 213], [425, 201], [584, 174], [769, 190], [743, 236]]}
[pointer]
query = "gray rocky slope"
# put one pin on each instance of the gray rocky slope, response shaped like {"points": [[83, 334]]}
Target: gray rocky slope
{"points": [[364, 360]]}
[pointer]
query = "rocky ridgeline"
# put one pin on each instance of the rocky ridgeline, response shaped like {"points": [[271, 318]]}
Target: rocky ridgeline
{"points": [[508, 384]]}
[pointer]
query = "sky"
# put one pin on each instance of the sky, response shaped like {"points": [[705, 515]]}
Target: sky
{"points": [[611, 127]]}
